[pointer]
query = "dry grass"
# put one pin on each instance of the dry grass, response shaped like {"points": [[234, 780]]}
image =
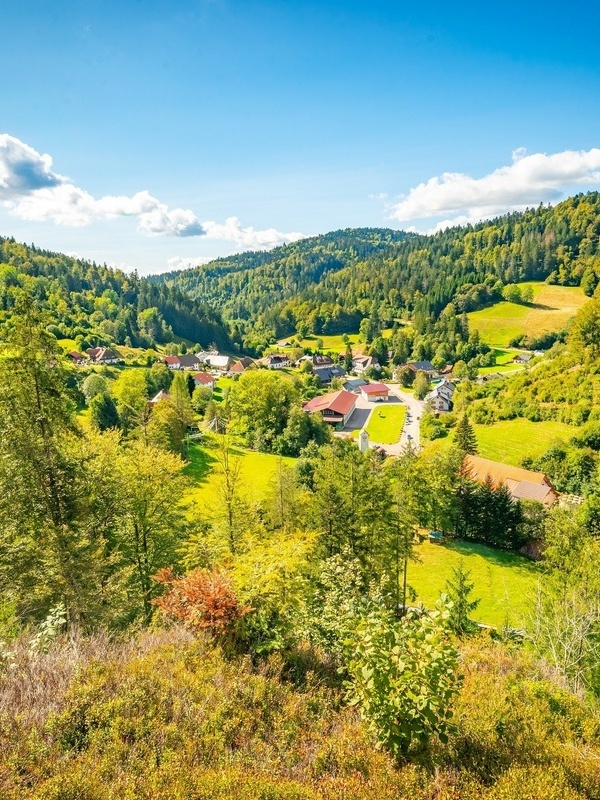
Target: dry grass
{"points": [[34, 684]]}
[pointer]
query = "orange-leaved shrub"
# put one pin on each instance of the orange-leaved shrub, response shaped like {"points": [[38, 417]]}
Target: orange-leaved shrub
{"points": [[204, 600]]}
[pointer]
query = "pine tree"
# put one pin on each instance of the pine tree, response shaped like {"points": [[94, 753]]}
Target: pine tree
{"points": [[103, 412], [458, 589], [464, 437]]}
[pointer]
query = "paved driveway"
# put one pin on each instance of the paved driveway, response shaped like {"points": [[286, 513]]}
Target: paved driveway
{"points": [[364, 409]]}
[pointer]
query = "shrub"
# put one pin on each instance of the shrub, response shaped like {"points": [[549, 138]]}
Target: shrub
{"points": [[204, 600], [404, 678]]}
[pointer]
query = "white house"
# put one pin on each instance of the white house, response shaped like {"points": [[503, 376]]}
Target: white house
{"points": [[440, 397], [360, 364], [277, 361]]}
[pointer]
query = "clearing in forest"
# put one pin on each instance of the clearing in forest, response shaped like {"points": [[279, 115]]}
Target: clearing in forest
{"points": [[551, 310]]}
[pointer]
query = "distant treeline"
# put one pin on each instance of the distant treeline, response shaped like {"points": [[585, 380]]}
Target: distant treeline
{"points": [[96, 304], [327, 284]]}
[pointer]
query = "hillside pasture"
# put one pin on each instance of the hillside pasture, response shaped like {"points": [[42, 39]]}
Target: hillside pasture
{"points": [[511, 440], [335, 342], [551, 310], [505, 582]]}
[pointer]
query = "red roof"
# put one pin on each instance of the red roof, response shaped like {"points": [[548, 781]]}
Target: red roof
{"points": [[374, 388], [204, 377], [238, 367], [171, 359], [340, 402]]}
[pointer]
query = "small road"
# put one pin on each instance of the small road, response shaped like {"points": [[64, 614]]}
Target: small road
{"points": [[414, 409]]}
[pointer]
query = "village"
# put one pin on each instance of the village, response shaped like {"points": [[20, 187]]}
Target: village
{"points": [[379, 414]]}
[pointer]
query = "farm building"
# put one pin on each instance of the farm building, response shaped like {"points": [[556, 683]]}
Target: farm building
{"points": [[336, 407], [523, 484], [375, 391]]}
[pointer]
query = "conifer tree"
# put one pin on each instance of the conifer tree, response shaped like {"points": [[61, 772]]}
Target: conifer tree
{"points": [[464, 437], [459, 589]]}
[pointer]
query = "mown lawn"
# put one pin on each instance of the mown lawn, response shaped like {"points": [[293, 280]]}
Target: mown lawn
{"points": [[257, 471], [511, 440], [552, 308], [221, 385], [504, 581], [385, 423]]}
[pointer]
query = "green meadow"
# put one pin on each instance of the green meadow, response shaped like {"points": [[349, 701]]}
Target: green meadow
{"points": [[511, 440], [336, 342], [504, 582], [257, 472], [551, 310]]}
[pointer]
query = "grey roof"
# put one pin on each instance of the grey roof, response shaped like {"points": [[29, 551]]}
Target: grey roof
{"points": [[424, 366], [326, 374], [189, 360]]}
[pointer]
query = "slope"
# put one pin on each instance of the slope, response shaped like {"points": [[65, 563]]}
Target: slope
{"points": [[99, 305]]}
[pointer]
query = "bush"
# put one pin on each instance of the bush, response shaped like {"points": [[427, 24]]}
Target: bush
{"points": [[404, 679]]}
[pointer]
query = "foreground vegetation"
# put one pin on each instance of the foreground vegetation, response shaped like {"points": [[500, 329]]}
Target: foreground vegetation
{"points": [[163, 717]]}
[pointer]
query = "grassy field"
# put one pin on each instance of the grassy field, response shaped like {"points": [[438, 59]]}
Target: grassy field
{"points": [[503, 581], [221, 385], [504, 363], [257, 470], [67, 344], [336, 342], [552, 308], [511, 440], [385, 423]]}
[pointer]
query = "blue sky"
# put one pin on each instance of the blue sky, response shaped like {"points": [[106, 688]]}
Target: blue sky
{"points": [[163, 121]]}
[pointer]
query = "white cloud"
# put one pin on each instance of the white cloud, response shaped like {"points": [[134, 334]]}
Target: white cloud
{"points": [[248, 238], [31, 190], [528, 180], [181, 262]]}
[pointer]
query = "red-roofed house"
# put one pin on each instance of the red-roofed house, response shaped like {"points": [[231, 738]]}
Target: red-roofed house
{"points": [[375, 391], [204, 379], [172, 362], [336, 407], [76, 357]]}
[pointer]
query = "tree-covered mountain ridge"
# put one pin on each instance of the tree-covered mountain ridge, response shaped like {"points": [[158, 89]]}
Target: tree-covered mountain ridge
{"points": [[329, 283], [99, 305]]}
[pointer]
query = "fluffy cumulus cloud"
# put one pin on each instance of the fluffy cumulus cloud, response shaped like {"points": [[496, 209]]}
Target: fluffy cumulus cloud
{"points": [[248, 238], [32, 190], [182, 262], [527, 181]]}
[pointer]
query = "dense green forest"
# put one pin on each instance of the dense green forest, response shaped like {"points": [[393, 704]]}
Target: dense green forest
{"points": [[98, 305], [327, 284]]}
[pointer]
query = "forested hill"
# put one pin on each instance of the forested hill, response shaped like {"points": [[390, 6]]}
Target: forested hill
{"points": [[246, 285], [330, 282], [98, 305]]}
